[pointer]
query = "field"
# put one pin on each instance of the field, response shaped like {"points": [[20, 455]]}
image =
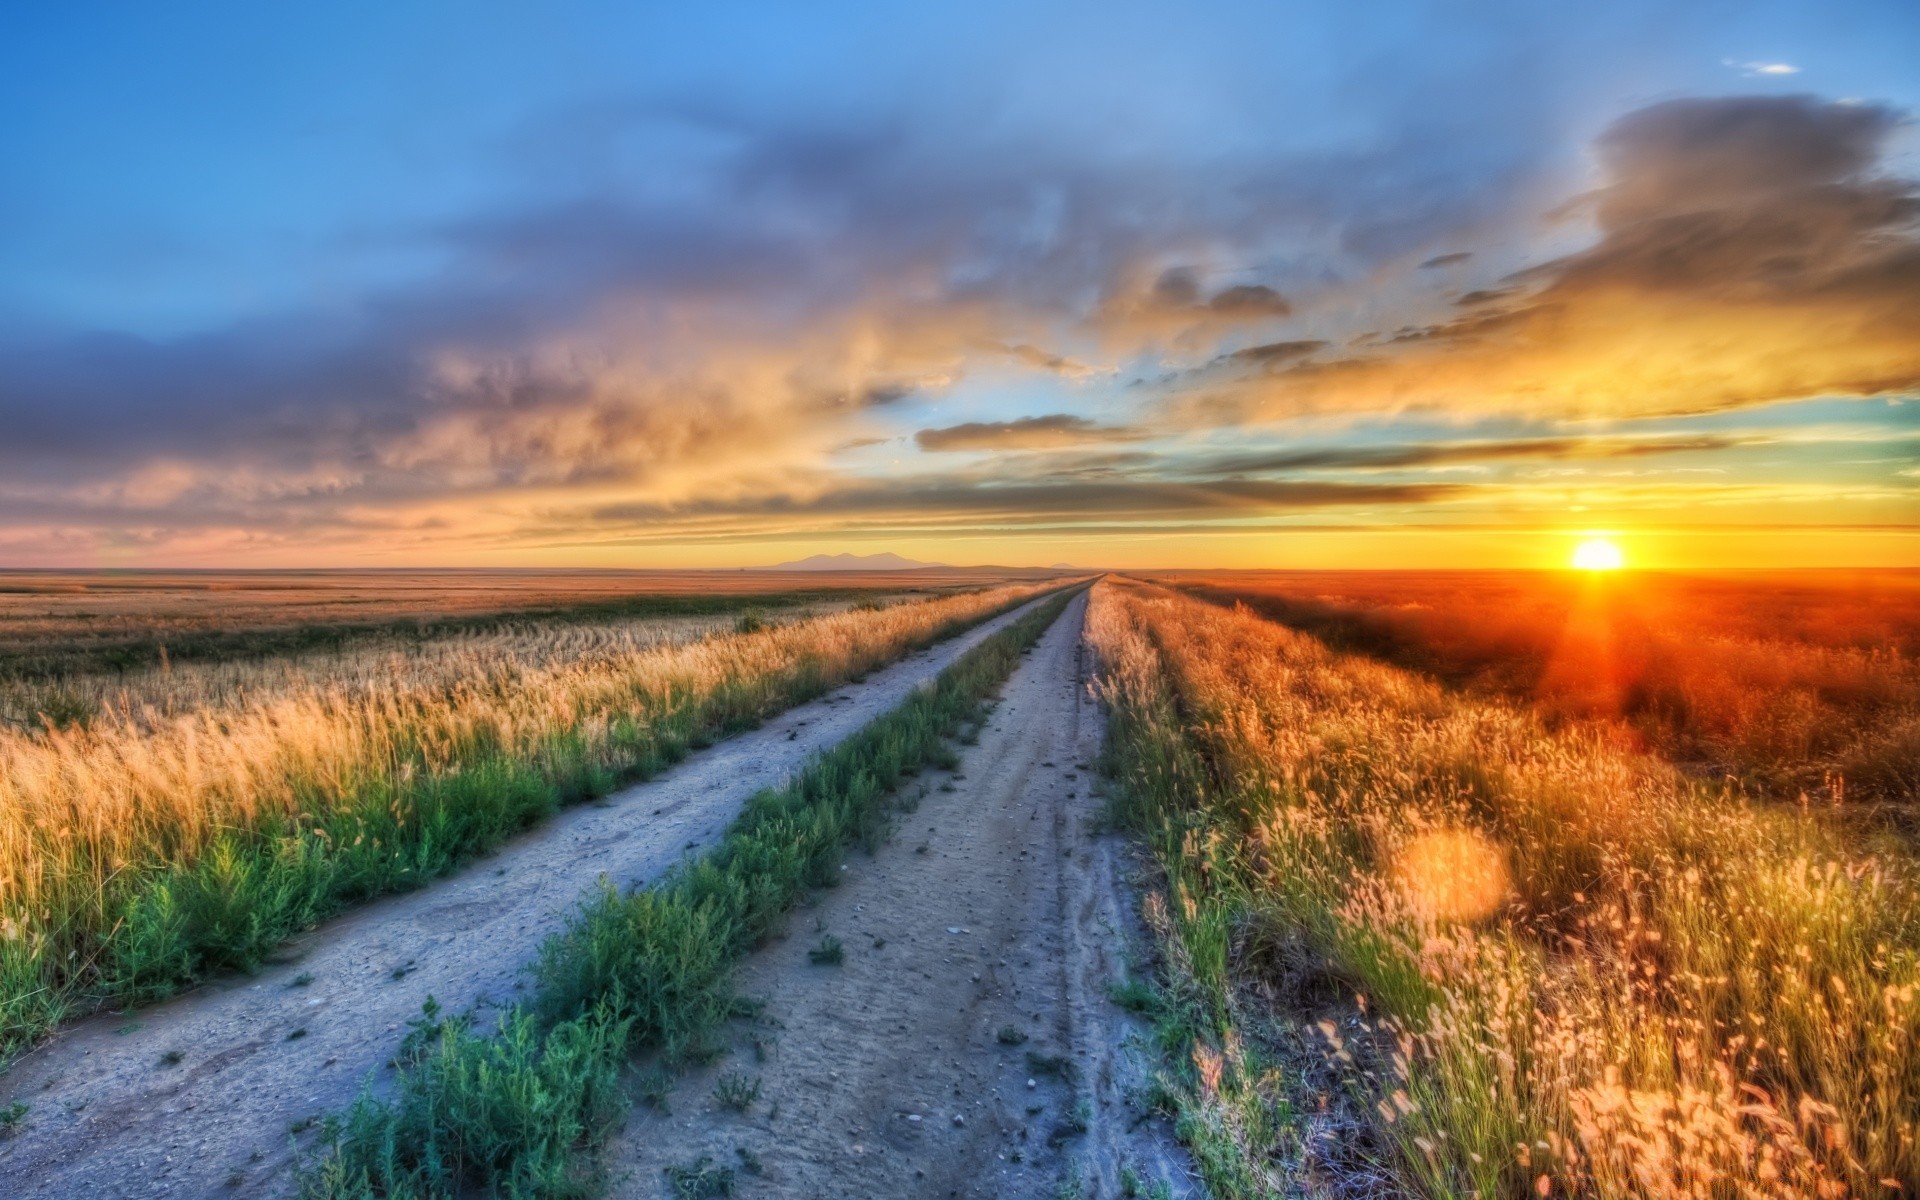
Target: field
{"points": [[1418, 940], [1228, 886], [162, 822], [1802, 683]]}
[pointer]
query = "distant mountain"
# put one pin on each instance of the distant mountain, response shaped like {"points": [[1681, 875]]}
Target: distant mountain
{"points": [[1063, 567], [854, 562]]}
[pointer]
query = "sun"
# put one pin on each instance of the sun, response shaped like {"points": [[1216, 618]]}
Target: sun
{"points": [[1598, 554]]}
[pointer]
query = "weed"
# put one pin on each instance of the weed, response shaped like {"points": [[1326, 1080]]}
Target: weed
{"points": [[829, 953], [13, 1116], [1072, 1186], [297, 1034], [509, 1114], [1010, 1035], [301, 980], [700, 1179], [172, 1058], [1134, 994], [749, 1161], [762, 1041], [737, 1090], [653, 1086]]}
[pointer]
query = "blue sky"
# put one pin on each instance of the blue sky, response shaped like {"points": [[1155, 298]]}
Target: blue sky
{"points": [[650, 284]]}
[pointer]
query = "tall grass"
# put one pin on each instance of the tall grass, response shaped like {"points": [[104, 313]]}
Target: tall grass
{"points": [[1804, 683], [519, 1112], [1509, 960], [139, 852]]}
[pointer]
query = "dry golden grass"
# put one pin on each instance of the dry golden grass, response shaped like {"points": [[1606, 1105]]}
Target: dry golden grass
{"points": [[1578, 971], [161, 840], [1790, 682]]}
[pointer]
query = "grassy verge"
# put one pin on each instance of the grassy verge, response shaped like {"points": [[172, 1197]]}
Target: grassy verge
{"points": [[518, 1112], [1416, 944], [135, 861], [64, 658]]}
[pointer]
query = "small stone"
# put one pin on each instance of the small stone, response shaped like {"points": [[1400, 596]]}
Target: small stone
{"points": [[1031, 1085], [959, 1120]]}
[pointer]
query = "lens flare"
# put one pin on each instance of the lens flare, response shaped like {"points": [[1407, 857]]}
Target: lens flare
{"points": [[1453, 874], [1598, 554]]}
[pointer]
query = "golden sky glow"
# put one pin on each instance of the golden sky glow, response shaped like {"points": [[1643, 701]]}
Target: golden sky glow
{"points": [[1148, 327]]}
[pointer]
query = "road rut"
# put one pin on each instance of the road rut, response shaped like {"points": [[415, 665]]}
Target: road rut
{"points": [[998, 905]]}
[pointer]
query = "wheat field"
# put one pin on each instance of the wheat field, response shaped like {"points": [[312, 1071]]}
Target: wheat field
{"points": [[1416, 941], [200, 817]]}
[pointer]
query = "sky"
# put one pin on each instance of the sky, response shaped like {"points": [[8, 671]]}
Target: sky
{"points": [[1204, 284]]}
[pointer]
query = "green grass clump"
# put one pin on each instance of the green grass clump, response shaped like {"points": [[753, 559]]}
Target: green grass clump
{"points": [[737, 1091], [649, 969], [506, 1113]]}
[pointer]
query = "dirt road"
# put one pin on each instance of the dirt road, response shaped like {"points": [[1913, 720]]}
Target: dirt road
{"points": [[964, 1045], [208, 1095]]}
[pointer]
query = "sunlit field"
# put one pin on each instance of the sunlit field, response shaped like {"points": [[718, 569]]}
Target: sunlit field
{"points": [[180, 819], [1807, 682], [1415, 940]]}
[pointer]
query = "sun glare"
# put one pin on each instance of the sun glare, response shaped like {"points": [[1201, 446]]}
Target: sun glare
{"points": [[1598, 554]]}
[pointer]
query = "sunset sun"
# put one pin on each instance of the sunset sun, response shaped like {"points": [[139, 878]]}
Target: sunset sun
{"points": [[1598, 554]]}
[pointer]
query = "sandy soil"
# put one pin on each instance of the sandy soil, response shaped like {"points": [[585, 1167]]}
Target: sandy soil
{"points": [[199, 1097], [997, 905]]}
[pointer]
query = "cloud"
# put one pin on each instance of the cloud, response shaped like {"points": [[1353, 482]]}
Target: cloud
{"points": [[703, 340], [1026, 433], [1747, 249], [1270, 354], [1449, 453], [1753, 69], [963, 500]]}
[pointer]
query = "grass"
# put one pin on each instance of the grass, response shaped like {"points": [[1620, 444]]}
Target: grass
{"points": [[645, 970], [700, 1179], [829, 953], [1807, 682], [737, 1090], [139, 855], [1416, 942]]}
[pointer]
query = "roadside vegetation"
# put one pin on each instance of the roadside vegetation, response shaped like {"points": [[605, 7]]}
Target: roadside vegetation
{"points": [[519, 1108], [1808, 682], [104, 653], [1415, 942], [145, 848]]}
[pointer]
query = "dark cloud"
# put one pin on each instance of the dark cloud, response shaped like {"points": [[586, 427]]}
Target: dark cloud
{"points": [[1272, 353], [1251, 300], [1134, 500], [1027, 433], [1446, 260], [1451, 453]]}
